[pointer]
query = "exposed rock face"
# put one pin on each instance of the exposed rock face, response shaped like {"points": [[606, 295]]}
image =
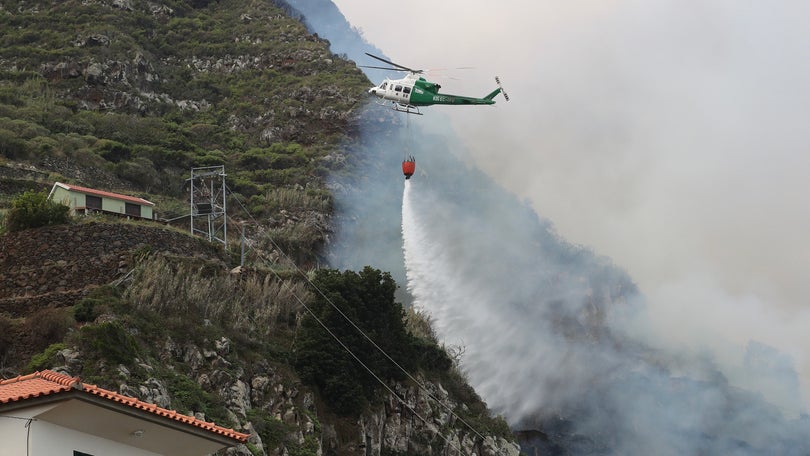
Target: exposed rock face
{"points": [[411, 421], [418, 420]]}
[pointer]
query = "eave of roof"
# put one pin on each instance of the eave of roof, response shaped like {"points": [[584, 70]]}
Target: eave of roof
{"points": [[50, 384], [102, 193]]}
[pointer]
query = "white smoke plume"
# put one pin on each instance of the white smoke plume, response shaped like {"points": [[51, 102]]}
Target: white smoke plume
{"points": [[544, 330], [668, 135], [703, 358]]}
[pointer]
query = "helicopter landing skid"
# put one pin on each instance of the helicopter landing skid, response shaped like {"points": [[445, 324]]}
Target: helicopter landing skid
{"points": [[406, 108]]}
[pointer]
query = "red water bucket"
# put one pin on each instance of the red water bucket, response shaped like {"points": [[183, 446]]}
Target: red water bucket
{"points": [[408, 167]]}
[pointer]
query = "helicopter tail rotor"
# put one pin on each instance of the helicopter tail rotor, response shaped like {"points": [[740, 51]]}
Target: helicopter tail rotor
{"points": [[498, 81]]}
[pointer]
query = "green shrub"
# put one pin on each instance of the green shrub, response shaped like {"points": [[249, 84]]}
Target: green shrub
{"points": [[109, 341], [272, 430], [11, 146], [34, 209], [98, 301], [48, 326], [85, 310], [113, 151], [7, 336], [140, 171], [189, 396], [367, 298], [46, 359]]}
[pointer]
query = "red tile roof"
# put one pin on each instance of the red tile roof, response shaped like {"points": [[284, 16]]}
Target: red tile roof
{"points": [[91, 191], [45, 383]]}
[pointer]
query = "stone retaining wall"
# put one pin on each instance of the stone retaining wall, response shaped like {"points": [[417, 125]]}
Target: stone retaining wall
{"points": [[55, 266]]}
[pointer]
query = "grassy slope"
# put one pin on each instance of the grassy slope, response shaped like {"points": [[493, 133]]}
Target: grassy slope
{"points": [[140, 96]]}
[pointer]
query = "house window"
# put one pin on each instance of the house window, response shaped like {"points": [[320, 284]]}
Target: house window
{"points": [[133, 209], [92, 202]]}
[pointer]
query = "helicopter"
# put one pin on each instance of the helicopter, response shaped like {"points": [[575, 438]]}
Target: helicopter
{"points": [[412, 91]]}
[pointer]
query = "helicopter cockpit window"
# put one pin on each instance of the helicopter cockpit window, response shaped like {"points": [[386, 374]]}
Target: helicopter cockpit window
{"points": [[383, 85], [398, 88], [406, 90]]}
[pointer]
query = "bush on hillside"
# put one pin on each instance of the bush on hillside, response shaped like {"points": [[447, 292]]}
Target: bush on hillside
{"points": [[7, 337], [367, 299], [33, 209], [48, 326]]}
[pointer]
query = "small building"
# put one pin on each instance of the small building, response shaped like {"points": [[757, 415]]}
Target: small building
{"points": [[47, 413], [83, 200]]}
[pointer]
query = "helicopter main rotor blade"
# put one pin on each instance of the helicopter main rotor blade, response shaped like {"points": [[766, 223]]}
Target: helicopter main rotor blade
{"points": [[394, 64], [382, 68]]}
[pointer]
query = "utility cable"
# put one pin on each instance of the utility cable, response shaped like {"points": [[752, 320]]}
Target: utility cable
{"points": [[340, 342], [28, 422], [365, 366], [28, 435], [358, 329]]}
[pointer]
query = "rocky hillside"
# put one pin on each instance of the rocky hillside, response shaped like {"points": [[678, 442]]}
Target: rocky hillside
{"points": [[157, 314], [127, 96]]}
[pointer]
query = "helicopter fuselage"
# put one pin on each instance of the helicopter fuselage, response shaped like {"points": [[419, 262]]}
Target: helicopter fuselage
{"points": [[415, 91]]}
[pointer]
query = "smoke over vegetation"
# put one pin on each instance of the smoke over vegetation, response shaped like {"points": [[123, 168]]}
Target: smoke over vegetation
{"points": [[543, 328], [667, 135], [556, 337]]}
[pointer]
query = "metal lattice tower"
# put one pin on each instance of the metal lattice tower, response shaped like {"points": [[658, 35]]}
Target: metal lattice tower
{"points": [[208, 215]]}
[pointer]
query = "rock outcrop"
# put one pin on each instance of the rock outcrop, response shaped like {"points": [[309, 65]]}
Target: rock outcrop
{"points": [[411, 420]]}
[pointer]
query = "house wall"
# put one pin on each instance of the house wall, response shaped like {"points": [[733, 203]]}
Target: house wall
{"points": [[119, 207], [14, 429], [60, 195], [49, 439], [77, 199], [113, 205], [13, 432]]}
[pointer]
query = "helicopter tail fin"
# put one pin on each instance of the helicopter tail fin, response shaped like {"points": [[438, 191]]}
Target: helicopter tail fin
{"points": [[493, 94], [497, 91]]}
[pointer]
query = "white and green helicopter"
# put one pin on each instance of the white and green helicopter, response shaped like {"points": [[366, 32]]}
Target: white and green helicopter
{"points": [[412, 91]]}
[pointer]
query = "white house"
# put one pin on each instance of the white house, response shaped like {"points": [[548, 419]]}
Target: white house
{"points": [[82, 200], [50, 414]]}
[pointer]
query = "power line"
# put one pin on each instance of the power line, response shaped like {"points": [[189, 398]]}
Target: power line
{"points": [[359, 330]]}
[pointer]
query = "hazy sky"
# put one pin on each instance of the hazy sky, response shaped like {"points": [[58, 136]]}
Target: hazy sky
{"points": [[671, 136]]}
